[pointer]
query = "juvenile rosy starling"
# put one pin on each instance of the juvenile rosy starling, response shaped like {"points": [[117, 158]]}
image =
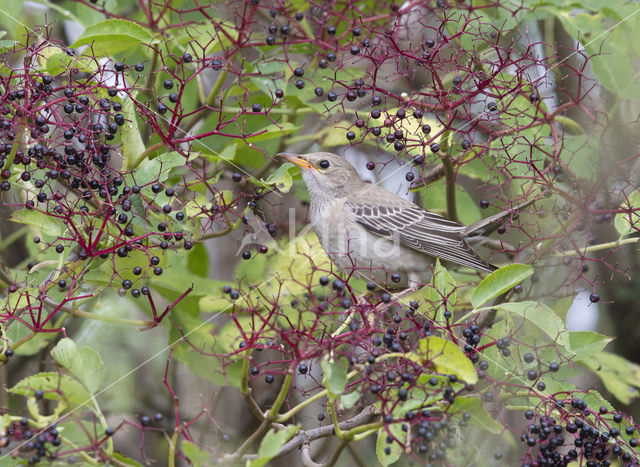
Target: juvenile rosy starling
{"points": [[367, 229]]}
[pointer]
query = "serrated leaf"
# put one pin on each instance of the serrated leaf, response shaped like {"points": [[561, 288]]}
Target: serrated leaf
{"points": [[334, 376], [113, 35], [82, 362], [498, 282], [272, 443], [447, 358]]}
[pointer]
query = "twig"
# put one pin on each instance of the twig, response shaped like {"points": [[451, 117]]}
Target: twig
{"points": [[307, 436]]}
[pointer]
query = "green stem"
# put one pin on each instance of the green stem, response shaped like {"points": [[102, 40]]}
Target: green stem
{"points": [[282, 395], [245, 390], [78, 450], [599, 247], [334, 418], [570, 123], [364, 435], [109, 319], [319, 395], [362, 429], [172, 449], [14, 149], [143, 155]]}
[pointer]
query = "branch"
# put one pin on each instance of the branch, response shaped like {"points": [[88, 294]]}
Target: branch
{"points": [[303, 437]]}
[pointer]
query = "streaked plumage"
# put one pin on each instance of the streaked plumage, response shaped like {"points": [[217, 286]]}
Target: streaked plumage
{"points": [[367, 229]]}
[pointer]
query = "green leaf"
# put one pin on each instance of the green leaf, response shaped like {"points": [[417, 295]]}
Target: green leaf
{"points": [[16, 331], [282, 178], [47, 225], [272, 443], [480, 417], [230, 335], [195, 455], [442, 292], [132, 144], [82, 362], [12, 22], [434, 197], [198, 260], [447, 358], [274, 131], [351, 399], [540, 315], [620, 376], [113, 36], [201, 335], [334, 376], [298, 260], [498, 282], [627, 222], [6, 45], [158, 168], [125, 460], [333, 135], [396, 448], [53, 385], [587, 343], [228, 153]]}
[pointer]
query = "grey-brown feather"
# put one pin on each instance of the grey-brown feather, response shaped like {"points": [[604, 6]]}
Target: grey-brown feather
{"points": [[416, 228]]}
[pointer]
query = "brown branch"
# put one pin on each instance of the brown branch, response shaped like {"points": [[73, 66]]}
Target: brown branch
{"points": [[305, 437]]}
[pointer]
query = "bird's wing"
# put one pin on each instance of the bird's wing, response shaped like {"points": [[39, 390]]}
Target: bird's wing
{"points": [[421, 230]]}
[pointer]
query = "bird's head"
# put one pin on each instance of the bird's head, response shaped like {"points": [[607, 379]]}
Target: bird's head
{"points": [[326, 173]]}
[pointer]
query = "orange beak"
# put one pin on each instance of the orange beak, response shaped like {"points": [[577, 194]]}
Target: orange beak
{"points": [[294, 159]]}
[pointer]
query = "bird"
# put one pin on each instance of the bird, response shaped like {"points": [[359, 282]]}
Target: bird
{"points": [[379, 235]]}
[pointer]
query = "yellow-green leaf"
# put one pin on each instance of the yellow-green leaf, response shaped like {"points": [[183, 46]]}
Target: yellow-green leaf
{"points": [[447, 358]]}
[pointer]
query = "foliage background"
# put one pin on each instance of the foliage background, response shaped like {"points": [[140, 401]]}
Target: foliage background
{"points": [[524, 100]]}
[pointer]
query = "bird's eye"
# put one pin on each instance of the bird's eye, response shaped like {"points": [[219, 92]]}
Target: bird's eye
{"points": [[324, 164]]}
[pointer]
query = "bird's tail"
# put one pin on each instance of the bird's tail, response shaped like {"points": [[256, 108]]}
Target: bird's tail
{"points": [[469, 229]]}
